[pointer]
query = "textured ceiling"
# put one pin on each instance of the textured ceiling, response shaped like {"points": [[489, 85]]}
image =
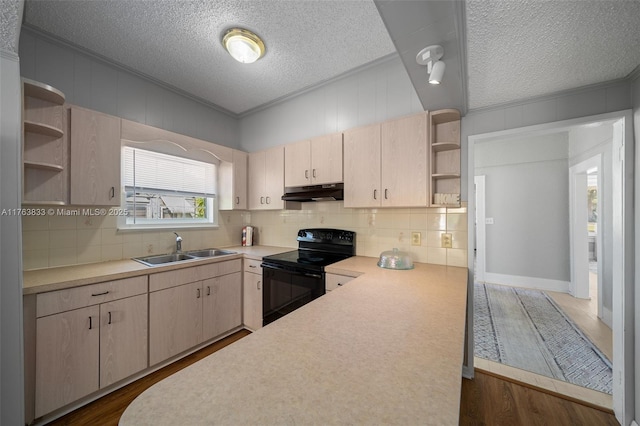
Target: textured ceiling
{"points": [[525, 48], [178, 42]]}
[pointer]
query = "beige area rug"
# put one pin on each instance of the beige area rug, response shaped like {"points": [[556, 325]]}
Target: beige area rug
{"points": [[525, 329]]}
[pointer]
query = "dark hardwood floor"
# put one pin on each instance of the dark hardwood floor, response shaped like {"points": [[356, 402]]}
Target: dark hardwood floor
{"points": [[486, 400]]}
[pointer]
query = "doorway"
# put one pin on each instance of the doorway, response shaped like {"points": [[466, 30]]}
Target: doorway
{"points": [[619, 218]]}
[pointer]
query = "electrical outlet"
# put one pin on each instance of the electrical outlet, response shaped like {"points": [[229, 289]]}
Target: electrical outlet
{"points": [[416, 238], [446, 240]]}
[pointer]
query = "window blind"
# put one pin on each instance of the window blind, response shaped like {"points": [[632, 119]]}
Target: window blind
{"points": [[156, 172]]}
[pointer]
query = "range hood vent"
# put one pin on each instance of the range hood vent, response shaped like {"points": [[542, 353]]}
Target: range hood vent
{"points": [[329, 192]]}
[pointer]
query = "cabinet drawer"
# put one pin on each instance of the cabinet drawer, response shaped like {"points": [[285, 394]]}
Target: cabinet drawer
{"points": [[253, 266], [78, 297], [178, 277], [333, 281]]}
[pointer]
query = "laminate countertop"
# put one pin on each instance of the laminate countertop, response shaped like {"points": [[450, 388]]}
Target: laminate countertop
{"points": [[385, 348], [62, 277]]}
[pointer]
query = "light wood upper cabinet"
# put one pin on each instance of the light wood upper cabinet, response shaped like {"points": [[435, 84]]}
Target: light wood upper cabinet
{"points": [[233, 182], [266, 179], [314, 162], [404, 162], [362, 174], [95, 158], [387, 164]]}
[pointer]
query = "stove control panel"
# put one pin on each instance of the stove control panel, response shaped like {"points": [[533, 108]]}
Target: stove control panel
{"points": [[335, 236]]}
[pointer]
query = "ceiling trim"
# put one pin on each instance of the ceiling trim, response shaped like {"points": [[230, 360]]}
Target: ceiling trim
{"points": [[635, 74], [554, 95], [57, 40], [320, 84], [460, 8]]}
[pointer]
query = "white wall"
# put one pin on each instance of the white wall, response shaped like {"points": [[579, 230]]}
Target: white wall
{"points": [[636, 123], [376, 93], [527, 195], [93, 83]]}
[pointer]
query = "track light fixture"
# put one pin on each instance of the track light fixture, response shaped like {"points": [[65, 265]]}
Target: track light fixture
{"points": [[430, 56]]}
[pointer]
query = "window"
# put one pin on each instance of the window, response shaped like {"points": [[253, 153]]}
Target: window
{"points": [[163, 190]]}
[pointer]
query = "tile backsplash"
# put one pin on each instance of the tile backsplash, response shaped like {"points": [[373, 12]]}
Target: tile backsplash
{"points": [[49, 241]]}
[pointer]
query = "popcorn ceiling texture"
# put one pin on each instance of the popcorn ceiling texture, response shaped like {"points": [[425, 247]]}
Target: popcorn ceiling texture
{"points": [[526, 48], [179, 42], [10, 24]]}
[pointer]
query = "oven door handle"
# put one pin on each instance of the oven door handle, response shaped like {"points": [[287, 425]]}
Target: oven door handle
{"points": [[278, 268]]}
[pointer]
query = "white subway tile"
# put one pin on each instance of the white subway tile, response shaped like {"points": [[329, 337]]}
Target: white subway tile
{"points": [[35, 259]]}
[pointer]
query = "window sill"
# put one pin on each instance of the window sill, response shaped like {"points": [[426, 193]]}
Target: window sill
{"points": [[165, 227]]}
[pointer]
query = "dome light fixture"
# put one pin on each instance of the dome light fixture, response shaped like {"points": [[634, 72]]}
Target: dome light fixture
{"points": [[243, 45], [430, 56]]}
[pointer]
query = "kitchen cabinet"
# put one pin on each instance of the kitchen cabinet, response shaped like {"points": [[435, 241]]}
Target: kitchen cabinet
{"points": [[333, 281], [314, 162], [88, 338], [444, 128], [387, 164], [95, 158], [192, 305], [252, 294], [266, 179], [45, 145], [233, 182]]}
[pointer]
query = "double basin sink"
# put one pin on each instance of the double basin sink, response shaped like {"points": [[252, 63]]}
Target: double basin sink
{"points": [[163, 259]]}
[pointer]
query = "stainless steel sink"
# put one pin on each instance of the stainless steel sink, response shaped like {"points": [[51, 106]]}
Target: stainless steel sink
{"points": [[209, 252], [161, 259]]}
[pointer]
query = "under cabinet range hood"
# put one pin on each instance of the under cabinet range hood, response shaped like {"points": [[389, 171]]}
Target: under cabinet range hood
{"points": [[330, 192]]}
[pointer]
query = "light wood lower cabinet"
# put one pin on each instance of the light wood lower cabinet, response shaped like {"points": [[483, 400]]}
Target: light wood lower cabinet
{"points": [[252, 294], [183, 315], [81, 350]]}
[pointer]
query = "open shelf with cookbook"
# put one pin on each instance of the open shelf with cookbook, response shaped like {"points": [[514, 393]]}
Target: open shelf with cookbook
{"points": [[444, 137]]}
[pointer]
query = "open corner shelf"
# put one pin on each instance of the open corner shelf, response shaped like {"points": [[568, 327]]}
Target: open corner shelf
{"points": [[43, 129], [444, 139], [42, 91]]}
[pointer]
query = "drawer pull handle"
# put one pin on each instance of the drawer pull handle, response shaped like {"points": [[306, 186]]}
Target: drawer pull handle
{"points": [[109, 317], [252, 266], [208, 290], [90, 323], [268, 200], [386, 194], [339, 283], [375, 194], [237, 200], [258, 284], [112, 192], [314, 172], [101, 294], [261, 200], [198, 297], [306, 174]]}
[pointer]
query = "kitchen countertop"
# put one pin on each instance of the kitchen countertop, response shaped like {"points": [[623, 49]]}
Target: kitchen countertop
{"points": [[386, 348], [62, 277]]}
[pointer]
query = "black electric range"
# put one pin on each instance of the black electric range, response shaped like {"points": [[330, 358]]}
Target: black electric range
{"points": [[297, 277]]}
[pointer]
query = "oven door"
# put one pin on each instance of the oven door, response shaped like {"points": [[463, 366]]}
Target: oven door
{"points": [[286, 289]]}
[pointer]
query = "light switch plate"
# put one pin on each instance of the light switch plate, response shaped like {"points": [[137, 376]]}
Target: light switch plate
{"points": [[416, 238], [446, 240]]}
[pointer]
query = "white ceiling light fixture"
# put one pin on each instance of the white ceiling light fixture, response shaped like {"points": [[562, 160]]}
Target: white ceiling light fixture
{"points": [[430, 56], [243, 45]]}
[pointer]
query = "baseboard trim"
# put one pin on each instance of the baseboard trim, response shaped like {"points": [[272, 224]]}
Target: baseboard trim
{"points": [[546, 391], [527, 282]]}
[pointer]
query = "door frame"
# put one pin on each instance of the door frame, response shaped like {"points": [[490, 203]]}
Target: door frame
{"points": [[481, 229], [623, 245], [579, 257]]}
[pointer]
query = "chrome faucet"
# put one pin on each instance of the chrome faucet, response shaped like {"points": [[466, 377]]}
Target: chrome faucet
{"points": [[178, 243]]}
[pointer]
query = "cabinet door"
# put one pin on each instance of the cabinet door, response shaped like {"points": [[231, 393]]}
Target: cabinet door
{"points": [[175, 321], [404, 162], [239, 180], [222, 305], [67, 364], [274, 178], [256, 186], [252, 294], [95, 158], [326, 159], [362, 177], [123, 338], [297, 164]]}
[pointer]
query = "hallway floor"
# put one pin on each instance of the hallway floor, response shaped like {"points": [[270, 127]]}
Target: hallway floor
{"points": [[583, 313]]}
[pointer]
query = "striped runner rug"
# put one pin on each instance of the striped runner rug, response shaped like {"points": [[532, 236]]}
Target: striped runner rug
{"points": [[525, 329]]}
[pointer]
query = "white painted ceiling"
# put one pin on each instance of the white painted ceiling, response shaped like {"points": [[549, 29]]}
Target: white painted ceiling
{"points": [[519, 49], [515, 49], [178, 42]]}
